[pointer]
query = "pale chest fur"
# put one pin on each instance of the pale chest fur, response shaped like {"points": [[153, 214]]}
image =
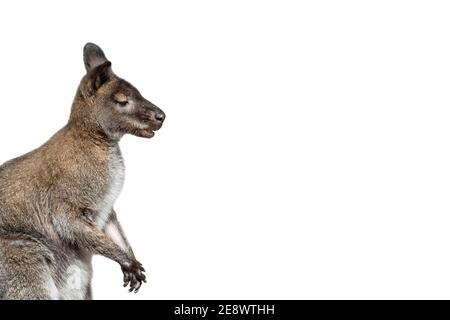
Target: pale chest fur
{"points": [[115, 180], [77, 279]]}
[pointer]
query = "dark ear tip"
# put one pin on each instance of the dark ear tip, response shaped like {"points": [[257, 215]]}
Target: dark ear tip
{"points": [[93, 56], [90, 45]]}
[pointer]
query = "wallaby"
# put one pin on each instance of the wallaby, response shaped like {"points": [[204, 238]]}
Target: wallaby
{"points": [[56, 202]]}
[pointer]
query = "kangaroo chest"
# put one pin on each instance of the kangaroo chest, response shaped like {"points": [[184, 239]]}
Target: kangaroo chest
{"points": [[114, 183], [77, 277]]}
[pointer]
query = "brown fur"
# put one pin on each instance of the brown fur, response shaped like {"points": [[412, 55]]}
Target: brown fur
{"points": [[51, 198]]}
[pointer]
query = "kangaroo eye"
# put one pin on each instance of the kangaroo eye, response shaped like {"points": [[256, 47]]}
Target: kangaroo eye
{"points": [[122, 103], [120, 98]]}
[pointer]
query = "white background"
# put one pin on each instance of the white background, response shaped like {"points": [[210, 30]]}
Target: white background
{"points": [[305, 152]]}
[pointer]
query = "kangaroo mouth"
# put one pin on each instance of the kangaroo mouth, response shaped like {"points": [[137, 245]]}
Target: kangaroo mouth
{"points": [[146, 133], [146, 124], [149, 130]]}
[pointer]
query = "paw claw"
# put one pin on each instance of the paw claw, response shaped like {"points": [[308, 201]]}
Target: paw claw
{"points": [[133, 276]]}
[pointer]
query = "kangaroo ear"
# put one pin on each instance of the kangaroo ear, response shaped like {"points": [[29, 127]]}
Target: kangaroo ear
{"points": [[95, 78], [93, 56]]}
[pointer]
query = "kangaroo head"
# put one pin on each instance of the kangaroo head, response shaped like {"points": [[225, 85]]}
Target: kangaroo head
{"points": [[112, 103]]}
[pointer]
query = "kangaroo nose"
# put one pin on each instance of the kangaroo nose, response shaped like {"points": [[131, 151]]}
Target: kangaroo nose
{"points": [[160, 116]]}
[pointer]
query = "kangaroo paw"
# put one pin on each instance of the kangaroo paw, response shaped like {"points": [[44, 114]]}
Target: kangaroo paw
{"points": [[133, 275]]}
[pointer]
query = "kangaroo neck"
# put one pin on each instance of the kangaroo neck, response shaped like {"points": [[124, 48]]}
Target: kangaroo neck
{"points": [[91, 134]]}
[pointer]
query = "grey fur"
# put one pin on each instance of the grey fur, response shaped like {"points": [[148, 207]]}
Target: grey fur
{"points": [[57, 201]]}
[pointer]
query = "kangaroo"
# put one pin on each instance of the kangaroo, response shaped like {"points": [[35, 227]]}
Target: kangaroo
{"points": [[57, 202]]}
